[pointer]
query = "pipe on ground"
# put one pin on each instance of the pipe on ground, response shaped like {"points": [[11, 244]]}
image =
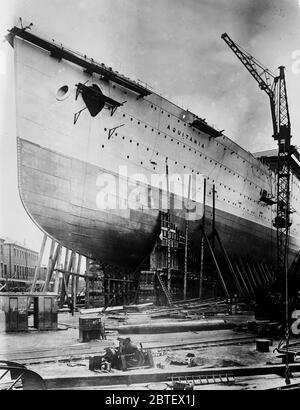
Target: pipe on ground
{"points": [[187, 326]]}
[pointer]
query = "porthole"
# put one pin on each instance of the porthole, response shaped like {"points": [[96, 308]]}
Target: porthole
{"points": [[63, 93]]}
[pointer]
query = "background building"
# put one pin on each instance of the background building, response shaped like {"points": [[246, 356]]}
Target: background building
{"points": [[17, 262], [1, 258]]}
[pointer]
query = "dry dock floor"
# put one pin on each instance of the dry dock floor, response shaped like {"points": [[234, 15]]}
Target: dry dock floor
{"points": [[59, 354]]}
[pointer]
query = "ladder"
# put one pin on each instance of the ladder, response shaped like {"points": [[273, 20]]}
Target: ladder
{"points": [[164, 288]]}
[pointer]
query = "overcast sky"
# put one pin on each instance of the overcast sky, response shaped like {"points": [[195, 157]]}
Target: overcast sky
{"points": [[172, 45]]}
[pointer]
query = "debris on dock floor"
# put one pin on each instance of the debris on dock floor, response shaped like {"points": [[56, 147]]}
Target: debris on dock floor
{"points": [[184, 346]]}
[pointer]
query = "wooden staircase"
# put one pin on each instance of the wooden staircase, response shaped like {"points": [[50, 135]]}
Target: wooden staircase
{"points": [[164, 288]]}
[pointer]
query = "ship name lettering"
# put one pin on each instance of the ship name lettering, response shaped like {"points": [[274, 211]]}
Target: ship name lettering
{"points": [[179, 132]]}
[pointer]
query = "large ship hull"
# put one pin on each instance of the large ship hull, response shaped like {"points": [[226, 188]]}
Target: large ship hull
{"points": [[122, 238], [63, 151]]}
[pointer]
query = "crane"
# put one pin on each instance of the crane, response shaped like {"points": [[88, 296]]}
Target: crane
{"points": [[275, 87]]}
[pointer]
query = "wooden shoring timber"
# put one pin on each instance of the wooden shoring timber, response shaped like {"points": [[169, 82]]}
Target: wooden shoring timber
{"points": [[266, 278], [63, 285], [264, 275], [75, 278], [67, 272], [257, 274], [261, 273], [51, 267], [245, 275], [51, 255], [72, 262], [269, 272], [73, 281], [57, 277], [37, 268], [216, 264], [56, 283], [242, 279], [273, 273], [237, 283], [78, 271], [252, 275]]}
